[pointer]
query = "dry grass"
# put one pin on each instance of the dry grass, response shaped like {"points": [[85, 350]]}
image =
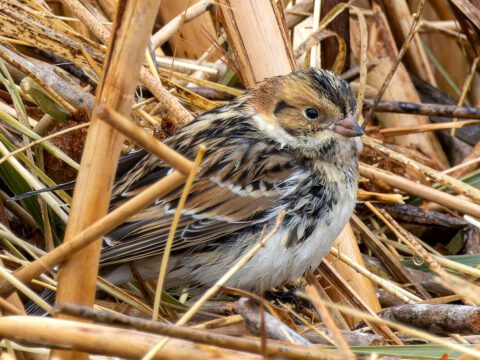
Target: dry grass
{"points": [[414, 239]]}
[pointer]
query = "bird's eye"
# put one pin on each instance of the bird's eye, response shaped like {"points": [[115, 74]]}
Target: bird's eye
{"points": [[311, 113]]}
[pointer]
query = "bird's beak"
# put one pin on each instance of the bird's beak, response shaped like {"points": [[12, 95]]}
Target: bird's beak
{"points": [[348, 127]]}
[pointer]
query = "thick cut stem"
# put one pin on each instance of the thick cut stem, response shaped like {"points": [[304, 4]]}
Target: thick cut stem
{"points": [[77, 276]]}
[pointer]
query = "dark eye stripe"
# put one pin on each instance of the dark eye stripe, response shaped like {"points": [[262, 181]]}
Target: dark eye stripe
{"points": [[281, 105]]}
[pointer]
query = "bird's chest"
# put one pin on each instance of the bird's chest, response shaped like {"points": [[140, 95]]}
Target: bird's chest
{"points": [[322, 194]]}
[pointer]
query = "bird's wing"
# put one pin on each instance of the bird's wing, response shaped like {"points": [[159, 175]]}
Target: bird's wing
{"points": [[211, 211], [232, 192]]}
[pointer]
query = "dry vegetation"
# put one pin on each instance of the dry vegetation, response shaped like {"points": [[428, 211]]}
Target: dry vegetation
{"points": [[402, 278]]}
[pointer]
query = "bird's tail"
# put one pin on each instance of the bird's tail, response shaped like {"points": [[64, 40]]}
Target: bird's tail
{"points": [[34, 309]]}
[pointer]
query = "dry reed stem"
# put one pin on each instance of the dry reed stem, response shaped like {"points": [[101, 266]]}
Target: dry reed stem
{"points": [[246, 22], [169, 102], [22, 214], [173, 26], [438, 318], [346, 243], [173, 228], [329, 323], [31, 71], [421, 190], [391, 262], [24, 289], [193, 37], [388, 286], [401, 19], [403, 328], [363, 58], [287, 351], [220, 322], [466, 85], [186, 65], [203, 82], [460, 166], [77, 276], [404, 107], [143, 139], [351, 296], [315, 55], [404, 130], [457, 284], [216, 287], [318, 36], [458, 186], [309, 326], [364, 195], [88, 19], [104, 340], [401, 53], [9, 308]]}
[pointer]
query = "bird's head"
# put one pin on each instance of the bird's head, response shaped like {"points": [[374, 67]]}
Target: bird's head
{"points": [[313, 111]]}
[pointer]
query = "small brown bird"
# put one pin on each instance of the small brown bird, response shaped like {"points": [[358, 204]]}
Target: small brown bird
{"points": [[290, 143]]}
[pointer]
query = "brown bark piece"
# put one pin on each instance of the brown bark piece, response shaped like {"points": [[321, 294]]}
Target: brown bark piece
{"points": [[439, 319]]}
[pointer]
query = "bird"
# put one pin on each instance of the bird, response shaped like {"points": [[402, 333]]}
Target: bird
{"points": [[288, 145]]}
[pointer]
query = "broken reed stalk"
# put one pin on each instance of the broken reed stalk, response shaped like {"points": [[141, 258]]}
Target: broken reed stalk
{"points": [[274, 349], [77, 276], [257, 56], [346, 243], [403, 107], [298, 12], [122, 213], [103, 340], [441, 319], [456, 185], [421, 190]]}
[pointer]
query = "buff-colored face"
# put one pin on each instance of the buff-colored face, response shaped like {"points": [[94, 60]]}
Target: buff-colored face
{"points": [[311, 106]]}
